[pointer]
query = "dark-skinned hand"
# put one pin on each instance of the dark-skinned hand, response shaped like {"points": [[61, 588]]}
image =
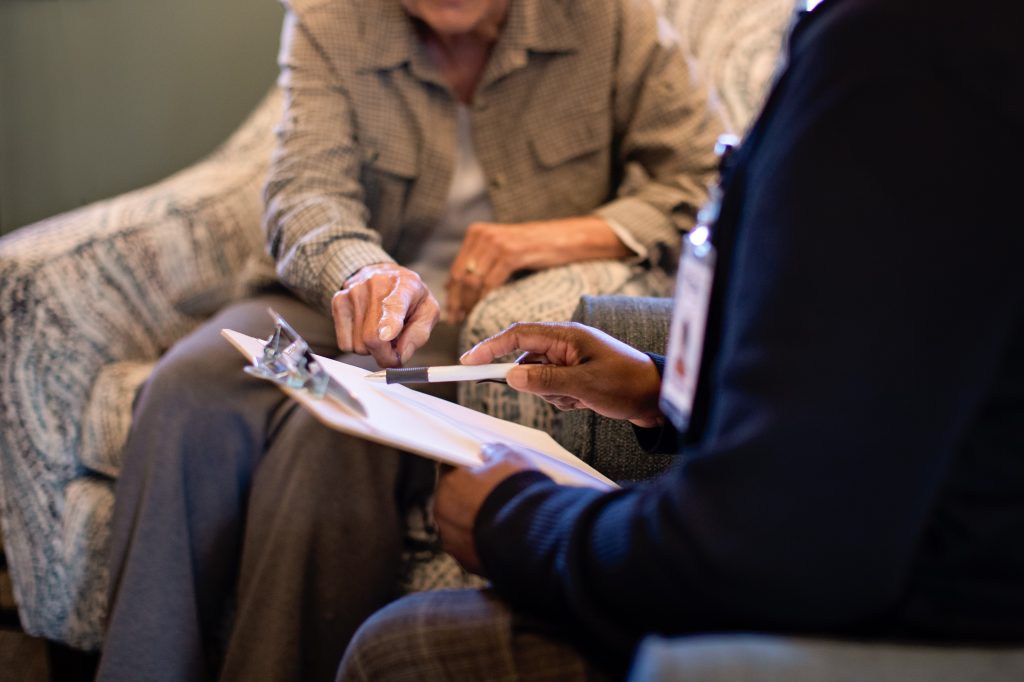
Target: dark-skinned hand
{"points": [[577, 366], [460, 493]]}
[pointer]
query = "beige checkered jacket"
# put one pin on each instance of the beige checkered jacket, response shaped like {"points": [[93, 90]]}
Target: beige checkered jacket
{"points": [[586, 107]]}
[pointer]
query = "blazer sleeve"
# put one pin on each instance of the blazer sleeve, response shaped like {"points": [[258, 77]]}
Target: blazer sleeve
{"points": [[666, 128], [315, 217]]}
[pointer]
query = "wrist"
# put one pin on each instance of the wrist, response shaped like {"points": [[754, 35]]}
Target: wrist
{"points": [[649, 379], [581, 238], [369, 270]]}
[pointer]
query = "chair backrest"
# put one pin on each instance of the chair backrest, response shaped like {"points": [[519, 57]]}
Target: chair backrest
{"points": [[735, 44]]}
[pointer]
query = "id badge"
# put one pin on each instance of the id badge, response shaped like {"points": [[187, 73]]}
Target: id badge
{"points": [[686, 330]]}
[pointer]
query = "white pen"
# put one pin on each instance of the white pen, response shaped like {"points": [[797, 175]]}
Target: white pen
{"points": [[431, 375]]}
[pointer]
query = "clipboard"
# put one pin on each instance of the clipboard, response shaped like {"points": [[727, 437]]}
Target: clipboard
{"points": [[400, 417]]}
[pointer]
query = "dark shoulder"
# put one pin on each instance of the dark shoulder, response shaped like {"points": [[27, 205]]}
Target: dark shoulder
{"points": [[973, 47]]}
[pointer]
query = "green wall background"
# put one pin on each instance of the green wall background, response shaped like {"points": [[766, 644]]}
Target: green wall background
{"points": [[98, 97]]}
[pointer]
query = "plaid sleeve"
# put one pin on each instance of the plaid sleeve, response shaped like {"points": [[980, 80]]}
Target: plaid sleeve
{"points": [[666, 126], [315, 217]]}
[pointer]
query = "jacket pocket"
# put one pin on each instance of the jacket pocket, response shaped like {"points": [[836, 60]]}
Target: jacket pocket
{"points": [[572, 172], [570, 137]]}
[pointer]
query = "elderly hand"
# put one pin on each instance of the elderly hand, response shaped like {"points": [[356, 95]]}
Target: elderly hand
{"points": [[460, 494], [579, 367], [492, 252], [385, 310]]}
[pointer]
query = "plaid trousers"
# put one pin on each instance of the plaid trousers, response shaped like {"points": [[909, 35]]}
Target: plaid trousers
{"points": [[460, 635]]}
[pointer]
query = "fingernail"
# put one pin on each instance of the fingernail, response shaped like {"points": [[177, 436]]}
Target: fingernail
{"points": [[488, 451], [516, 377], [384, 333]]}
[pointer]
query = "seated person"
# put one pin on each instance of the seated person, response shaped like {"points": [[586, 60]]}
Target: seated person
{"points": [[425, 148], [852, 462]]}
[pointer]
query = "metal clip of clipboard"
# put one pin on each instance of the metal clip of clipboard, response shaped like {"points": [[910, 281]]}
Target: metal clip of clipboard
{"points": [[287, 361]]}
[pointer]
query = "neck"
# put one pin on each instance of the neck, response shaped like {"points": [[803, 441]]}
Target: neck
{"points": [[481, 37], [462, 57]]}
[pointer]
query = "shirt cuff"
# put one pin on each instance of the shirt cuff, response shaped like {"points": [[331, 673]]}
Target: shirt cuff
{"points": [[645, 225], [624, 235], [346, 260], [659, 440]]}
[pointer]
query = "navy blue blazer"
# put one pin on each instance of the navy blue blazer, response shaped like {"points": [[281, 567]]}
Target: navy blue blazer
{"points": [[856, 461]]}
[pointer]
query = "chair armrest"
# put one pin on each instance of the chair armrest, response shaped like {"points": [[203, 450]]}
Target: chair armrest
{"points": [[778, 658], [607, 444], [123, 279], [640, 321]]}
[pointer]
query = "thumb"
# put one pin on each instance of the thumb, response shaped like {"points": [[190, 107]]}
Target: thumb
{"points": [[392, 314], [417, 328], [545, 379]]}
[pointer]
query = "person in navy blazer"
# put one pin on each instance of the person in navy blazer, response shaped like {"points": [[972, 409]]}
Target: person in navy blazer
{"points": [[854, 464]]}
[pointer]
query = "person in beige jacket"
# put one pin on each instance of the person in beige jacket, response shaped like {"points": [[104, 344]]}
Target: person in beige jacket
{"points": [[480, 161]]}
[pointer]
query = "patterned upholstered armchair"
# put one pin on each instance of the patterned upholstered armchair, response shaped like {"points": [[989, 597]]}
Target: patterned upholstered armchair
{"points": [[91, 298]]}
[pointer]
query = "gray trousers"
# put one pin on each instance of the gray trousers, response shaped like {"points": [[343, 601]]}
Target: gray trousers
{"points": [[248, 540], [460, 635]]}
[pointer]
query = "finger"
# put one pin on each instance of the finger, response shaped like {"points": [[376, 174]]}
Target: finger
{"points": [[478, 266], [491, 452], [341, 311], [392, 299], [354, 311], [384, 354], [365, 313], [450, 295], [417, 328], [369, 335], [488, 451], [548, 379], [466, 250], [469, 286], [496, 276], [498, 461], [491, 274], [452, 302], [463, 265], [395, 308], [458, 290], [469, 295], [563, 402], [540, 339]]}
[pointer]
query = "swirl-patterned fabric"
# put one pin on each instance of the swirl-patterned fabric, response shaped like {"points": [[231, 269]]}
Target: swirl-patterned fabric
{"points": [[91, 298]]}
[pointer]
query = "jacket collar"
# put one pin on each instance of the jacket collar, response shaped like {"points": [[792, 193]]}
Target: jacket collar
{"points": [[388, 33]]}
